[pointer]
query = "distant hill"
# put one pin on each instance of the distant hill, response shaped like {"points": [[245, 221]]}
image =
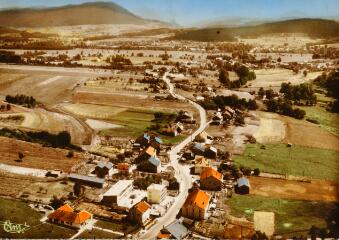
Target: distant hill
{"points": [[312, 27], [84, 14]]}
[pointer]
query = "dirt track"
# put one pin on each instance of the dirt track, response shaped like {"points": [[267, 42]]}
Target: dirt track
{"points": [[317, 190]]}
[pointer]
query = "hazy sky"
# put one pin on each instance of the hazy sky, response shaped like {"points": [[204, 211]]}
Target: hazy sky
{"points": [[188, 12]]}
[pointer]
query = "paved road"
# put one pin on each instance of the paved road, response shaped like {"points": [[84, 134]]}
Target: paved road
{"points": [[181, 172]]}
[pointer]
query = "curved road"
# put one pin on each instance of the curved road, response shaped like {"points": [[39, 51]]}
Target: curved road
{"points": [[181, 172]]}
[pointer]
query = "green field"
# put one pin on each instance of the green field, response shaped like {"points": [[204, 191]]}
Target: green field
{"points": [[297, 160], [290, 215], [19, 213], [327, 120]]}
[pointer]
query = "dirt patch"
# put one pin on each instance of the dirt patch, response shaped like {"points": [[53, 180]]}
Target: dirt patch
{"points": [[316, 190], [130, 100], [307, 134], [100, 125], [270, 129], [36, 156]]}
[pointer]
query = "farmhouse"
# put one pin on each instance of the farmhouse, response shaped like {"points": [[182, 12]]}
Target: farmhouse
{"points": [[87, 180], [217, 119], [198, 149], [170, 131], [203, 137], [156, 143], [196, 205], [146, 154], [65, 215], [140, 213], [156, 193], [211, 152], [200, 164], [242, 186], [210, 179], [151, 165], [118, 192], [104, 169], [143, 140]]}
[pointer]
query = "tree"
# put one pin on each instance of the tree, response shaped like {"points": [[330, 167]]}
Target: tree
{"points": [[279, 59], [261, 92], [20, 156], [63, 138], [224, 77], [305, 73]]}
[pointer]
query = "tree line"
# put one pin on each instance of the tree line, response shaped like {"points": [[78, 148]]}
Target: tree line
{"points": [[330, 82], [233, 101], [20, 99]]}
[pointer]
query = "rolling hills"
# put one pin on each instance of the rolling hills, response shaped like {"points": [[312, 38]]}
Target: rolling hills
{"points": [[312, 27], [90, 13]]}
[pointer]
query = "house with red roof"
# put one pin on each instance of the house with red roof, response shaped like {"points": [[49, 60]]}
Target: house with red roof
{"points": [[196, 205], [65, 215], [140, 213], [210, 179]]}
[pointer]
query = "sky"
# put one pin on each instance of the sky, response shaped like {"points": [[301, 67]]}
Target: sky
{"points": [[192, 12]]}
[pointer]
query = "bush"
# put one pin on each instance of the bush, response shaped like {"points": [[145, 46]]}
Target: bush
{"points": [[256, 172]]}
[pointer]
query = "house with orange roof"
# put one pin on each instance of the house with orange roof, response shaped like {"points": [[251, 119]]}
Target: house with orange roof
{"points": [[200, 164], [140, 213], [196, 205], [123, 168], [210, 179], [146, 154], [65, 215]]}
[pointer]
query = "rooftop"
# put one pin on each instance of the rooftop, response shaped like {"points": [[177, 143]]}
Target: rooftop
{"points": [[198, 198], [142, 207], [118, 188], [66, 214], [210, 172], [86, 178]]}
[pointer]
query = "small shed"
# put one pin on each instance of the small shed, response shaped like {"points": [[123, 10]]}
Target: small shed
{"points": [[243, 186]]}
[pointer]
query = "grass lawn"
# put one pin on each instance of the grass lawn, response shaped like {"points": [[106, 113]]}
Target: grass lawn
{"points": [[327, 120], [290, 215], [98, 234], [125, 227], [297, 160], [19, 212], [134, 123]]}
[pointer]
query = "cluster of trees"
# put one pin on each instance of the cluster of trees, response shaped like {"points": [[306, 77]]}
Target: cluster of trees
{"points": [[331, 83], [60, 140], [143, 183], [298, 93], [331, 231], [284, 107], [162, 119], [242, 71], [232, 101], [20, 99], [9, 57], [119, 61]]}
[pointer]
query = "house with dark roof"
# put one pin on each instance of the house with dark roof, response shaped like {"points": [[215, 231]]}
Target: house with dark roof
{"points": [[196, 205], [87, 180], [211, 152], [198, 148], [143, 140], [156, 143], [151, 165], [65, 215], [175, 230], [104, 169], [146, 154], [242, 186], [210, 179]]}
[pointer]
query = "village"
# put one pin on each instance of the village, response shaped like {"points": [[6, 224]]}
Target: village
{"points": [[140, 132]]}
